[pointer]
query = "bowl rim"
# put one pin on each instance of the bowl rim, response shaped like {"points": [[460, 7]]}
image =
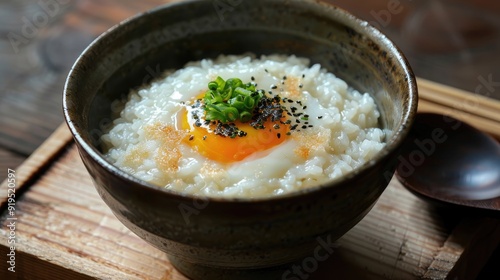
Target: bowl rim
{"points": [[364, 27]]}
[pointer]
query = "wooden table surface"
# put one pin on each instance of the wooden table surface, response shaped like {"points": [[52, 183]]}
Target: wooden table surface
{"points": [[451, 42]]}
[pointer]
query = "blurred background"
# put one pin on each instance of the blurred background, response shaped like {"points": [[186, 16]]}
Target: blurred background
{"points": [[456, 43], [453, 42]]}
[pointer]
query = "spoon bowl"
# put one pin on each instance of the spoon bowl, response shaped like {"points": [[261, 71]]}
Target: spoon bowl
{"points": [[448, 161]]}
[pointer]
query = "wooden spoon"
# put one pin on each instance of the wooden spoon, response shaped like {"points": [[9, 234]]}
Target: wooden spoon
{"points": [[450, 162]]}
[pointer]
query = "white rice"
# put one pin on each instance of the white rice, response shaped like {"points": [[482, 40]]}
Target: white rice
{"points": [[345, 129]]}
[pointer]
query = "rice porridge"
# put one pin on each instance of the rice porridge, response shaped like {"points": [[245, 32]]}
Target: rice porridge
{"points": [[247, 127]]}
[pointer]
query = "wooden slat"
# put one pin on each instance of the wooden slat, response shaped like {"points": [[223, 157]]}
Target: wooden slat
{"points": [[35, 164], [8, 160], [28, 114]]}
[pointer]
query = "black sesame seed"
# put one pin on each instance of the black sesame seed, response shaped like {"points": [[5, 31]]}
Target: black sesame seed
{"points": [[288, 133], [253, 78], [274, 87], [204, 137], [297, 120], [305, 107], [301, 86], [303, 75], [191, 137], [320, 117], [304, 126], [266, 70], [310, 125], [276, 126]]}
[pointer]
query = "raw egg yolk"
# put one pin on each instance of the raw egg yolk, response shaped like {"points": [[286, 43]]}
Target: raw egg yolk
{"points": [[225, 149]]}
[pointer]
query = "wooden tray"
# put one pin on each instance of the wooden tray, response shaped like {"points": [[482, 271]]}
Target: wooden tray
{"points": [[63, 230]]}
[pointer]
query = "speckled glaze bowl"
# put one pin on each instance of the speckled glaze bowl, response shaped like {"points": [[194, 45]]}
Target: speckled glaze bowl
{"points": [[209, 238]]}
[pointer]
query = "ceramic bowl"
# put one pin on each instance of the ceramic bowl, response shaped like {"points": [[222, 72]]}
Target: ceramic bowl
{"points": [[215, 238]]}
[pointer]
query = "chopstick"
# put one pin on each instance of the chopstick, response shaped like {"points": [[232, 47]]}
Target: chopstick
{"points": [[479, 111], [459, 99]]}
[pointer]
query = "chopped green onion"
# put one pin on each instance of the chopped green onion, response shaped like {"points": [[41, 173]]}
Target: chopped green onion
{"points": [[249, 102], [213, 85], [215, 115], [231, 100], [245, 117], [231, 114], [242, 91]]}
